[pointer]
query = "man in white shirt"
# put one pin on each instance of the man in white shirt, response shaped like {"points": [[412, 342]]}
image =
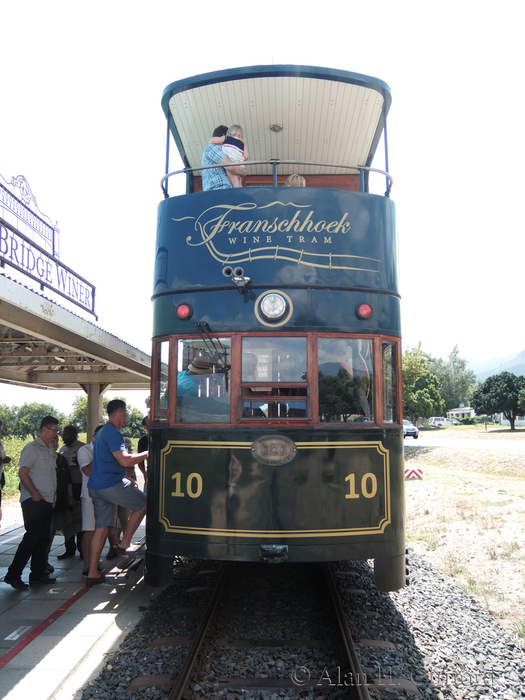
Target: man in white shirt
{"points": [[37, 496]]}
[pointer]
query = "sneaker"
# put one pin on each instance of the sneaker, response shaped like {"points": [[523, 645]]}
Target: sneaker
{"points": [[112, 553], [16, 582]]}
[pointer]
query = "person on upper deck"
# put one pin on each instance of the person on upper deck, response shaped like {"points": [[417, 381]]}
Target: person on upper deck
{"points": [[216, 178], [295, 180], [234, 149]]}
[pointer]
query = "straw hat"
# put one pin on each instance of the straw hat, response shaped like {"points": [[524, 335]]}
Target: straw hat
{"points": [[200, 366]]}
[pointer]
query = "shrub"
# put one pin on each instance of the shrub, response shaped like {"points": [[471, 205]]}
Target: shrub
{"points": [[13, 447]]}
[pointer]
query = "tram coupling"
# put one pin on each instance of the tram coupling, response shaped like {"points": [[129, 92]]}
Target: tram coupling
{"points": [[273, 553]]}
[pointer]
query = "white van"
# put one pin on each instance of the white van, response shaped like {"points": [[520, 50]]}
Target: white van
{"points": [[439, 422]]}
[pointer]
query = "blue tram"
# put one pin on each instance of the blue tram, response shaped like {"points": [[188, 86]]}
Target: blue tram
{"points": [[276, 429]]}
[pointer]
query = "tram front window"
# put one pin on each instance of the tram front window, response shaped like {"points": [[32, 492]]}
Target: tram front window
{"points": [[345, 380], [273, 378], [275, 360], [203, 386]]}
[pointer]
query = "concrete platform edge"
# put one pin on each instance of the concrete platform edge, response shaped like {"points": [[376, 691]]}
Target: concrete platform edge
{"points": [[95, 659]]}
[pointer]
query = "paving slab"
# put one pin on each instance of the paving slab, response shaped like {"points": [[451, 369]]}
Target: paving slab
{"points": [[53, 638]]}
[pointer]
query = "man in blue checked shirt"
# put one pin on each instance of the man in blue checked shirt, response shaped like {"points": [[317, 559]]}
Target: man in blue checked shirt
{"points": [[216, 178]]}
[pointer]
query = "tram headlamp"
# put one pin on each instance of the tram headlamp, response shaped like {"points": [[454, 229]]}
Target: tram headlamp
{"points": [[363, 311], [184, 311], [273, 306]]}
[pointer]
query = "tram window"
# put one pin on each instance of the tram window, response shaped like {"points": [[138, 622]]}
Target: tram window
{"points": [[389, 383], [203, 381], [274, 360], [274, 409], [345, 380], [161, 413]]}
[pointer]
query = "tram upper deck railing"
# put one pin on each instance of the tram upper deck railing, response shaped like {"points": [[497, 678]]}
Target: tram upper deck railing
{"points": [[276, 162]]}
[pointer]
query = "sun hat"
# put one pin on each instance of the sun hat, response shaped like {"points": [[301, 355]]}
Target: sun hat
{"points": [[199, 366]]}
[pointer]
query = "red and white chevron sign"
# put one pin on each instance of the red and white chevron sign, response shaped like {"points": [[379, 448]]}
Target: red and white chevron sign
{"points": [[414, 473]]}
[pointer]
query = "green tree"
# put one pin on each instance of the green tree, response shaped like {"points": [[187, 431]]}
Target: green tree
{"points": [[500, 394], [29, 416], [78, 417], [414, 365], [133, 427], [521, 402], [456, 382], [8, 418], [425, 399]]}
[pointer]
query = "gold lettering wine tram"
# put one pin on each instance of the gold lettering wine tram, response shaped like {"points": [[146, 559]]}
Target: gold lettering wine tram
{"points": [[217, 225]]}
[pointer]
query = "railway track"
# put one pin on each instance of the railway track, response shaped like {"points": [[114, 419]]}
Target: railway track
{"points": [[429, 640], [269, 629]]}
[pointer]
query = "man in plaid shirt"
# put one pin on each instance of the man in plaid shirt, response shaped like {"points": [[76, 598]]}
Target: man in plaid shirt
{"points": [[216, 178]]}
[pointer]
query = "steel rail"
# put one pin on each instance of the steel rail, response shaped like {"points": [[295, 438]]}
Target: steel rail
{"points": [[187, 668], [274, 162], [358, 676]]}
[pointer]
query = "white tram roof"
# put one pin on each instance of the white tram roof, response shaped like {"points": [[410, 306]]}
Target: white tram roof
{"points": [[329, 116]]}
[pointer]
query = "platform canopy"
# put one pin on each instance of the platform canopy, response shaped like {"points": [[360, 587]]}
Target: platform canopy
{"points": [[43, 345]]}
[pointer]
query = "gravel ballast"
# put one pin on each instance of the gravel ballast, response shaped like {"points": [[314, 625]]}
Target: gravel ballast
{"points": [[444, 641]]}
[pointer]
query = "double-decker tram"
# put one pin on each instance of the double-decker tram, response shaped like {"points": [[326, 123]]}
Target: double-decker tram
{"points": [[276, 431]]}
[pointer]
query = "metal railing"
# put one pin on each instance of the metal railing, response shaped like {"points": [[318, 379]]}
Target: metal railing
{"points": [[275, 163]]}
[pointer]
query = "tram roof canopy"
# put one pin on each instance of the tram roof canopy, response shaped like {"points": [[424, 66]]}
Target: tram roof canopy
{"points": [[326, 115]]}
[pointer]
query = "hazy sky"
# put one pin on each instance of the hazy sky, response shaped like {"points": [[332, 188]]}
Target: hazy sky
{"points": [[80, 117]]}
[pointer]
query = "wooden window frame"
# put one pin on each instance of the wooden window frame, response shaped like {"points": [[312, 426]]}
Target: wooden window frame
{"points": [[312, 398]]}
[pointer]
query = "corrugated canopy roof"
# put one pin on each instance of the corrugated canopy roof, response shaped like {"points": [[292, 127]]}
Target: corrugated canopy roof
{"points": [[326, 116], [43, 345]]}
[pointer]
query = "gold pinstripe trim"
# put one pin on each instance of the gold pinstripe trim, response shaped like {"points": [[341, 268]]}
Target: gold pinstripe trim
{"points": [[280, 534]]}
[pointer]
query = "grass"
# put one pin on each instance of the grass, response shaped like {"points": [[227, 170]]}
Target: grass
{"points": [[454, 565], [487, 521], [466, 509], [478, 430], [449, 463], [505, 550], [433, 538], [482, 589], [519, 628], [509, 549], [13, 448], [483, 515]]}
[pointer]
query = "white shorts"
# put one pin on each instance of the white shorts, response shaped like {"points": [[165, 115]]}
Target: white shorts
{"points": [[88, 515]]}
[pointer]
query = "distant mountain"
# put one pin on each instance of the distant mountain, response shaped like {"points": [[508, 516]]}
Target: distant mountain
{"points": [[486, 368]]}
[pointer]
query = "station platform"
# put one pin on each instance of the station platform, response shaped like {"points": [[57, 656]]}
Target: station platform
{"points": [[54, 637]]}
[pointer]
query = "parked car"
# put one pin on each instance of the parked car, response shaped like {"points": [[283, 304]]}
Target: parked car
{"points": [[410, 429], [439, 422]]}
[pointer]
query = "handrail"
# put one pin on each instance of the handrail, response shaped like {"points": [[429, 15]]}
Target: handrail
{"points": [[275, 162]]}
